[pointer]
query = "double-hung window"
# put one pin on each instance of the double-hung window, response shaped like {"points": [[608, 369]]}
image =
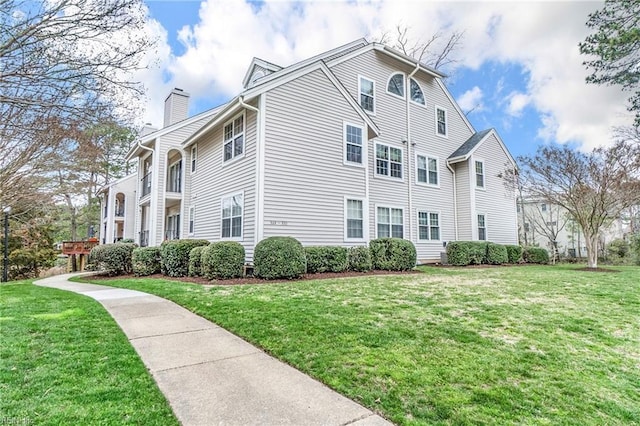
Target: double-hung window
{"points": [[388, 161], [234, 138], [479, 166], [367, 89], [427, 170], [355, 219], [428, 226], [482, 227], [441, 121], [232, 208], [353, 144], [390, 222]]}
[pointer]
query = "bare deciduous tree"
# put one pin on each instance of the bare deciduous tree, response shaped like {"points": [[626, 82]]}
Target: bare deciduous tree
{"points": [[63, 62], [435, 52], [595, 188]]}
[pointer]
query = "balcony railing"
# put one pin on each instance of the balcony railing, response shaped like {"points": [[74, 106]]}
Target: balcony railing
{"points": [[172, 235], [119, 211], [146, 184], [144, 238]]}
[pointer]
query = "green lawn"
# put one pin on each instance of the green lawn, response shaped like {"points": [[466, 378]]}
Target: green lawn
{"points": [[64, 361], [511, 345]]}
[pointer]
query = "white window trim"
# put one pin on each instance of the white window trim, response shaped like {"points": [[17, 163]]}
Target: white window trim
{"points": [[365, 216], [344, 145], [439, 224], [194, 158], [386, 206], [169, 176], [375, 165], [446, 122], [427, 156], [191, 218], [424, 105], [486, 226], [360, 77], [244, 133], [404, 84], [231, 195], [484, 174]]}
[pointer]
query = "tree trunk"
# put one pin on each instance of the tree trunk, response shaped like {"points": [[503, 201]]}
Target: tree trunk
{"points": [[592, 250]]}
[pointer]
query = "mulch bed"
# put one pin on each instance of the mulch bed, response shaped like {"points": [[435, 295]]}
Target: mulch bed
{"points": [[252, 280]]}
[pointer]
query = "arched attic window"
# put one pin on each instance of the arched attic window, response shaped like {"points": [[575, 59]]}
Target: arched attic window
{"points": [[396, 85], [416, 93]]}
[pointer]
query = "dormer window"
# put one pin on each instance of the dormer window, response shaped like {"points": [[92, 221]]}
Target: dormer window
{"points": [[396, 85]]}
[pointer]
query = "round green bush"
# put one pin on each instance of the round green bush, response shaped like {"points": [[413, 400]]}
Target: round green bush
{"points": [[279, 257], [514, 253], [223, 260], [535, 255], [359, 259], [195, 261], [113, 259], [174, 256], [496, 254], [145, 261], [326, 259], [393, 254], [458, 253]]}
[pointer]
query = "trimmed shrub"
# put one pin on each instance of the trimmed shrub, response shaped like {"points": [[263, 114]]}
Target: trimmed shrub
{"points": [[223, 260], [477, 252], [392, 254], [174, 256], [195, 261], [326, 259], [458, 253], [359, 259], [279, 257], [145, 261], [514, 254], [535, 255], [113, 259], [496, 254]]}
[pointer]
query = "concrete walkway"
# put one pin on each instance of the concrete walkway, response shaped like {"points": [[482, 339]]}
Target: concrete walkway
{"points": [[212, 377]]}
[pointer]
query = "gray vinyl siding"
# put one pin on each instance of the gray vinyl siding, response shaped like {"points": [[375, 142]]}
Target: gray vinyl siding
{"points": [[215, 179], [497, 201], [463, 195], [391, 118], [305, 179]]}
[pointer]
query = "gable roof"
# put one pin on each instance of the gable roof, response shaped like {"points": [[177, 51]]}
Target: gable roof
{"points": [[467, 149], [145, 140], [236, 104], [257, 64]]}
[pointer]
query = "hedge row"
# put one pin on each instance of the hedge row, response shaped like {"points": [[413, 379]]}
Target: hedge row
{"points": [[462, 253], [274, 258]]}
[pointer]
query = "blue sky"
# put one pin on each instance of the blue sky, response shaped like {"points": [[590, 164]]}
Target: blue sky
{"points": [[518, 68]]}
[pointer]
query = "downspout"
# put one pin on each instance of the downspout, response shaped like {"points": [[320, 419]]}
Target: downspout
{"points": [[455, 200], [409, 143]]}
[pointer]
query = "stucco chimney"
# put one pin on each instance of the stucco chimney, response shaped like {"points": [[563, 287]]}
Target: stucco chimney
{"points": [[176, 107]]}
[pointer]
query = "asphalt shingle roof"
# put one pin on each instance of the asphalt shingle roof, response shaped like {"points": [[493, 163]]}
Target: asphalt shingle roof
{"points": [[470, 143]]}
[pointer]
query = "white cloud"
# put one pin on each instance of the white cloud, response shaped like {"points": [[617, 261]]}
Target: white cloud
{"points": [[471, 100], [541, 37], [516, 103]]}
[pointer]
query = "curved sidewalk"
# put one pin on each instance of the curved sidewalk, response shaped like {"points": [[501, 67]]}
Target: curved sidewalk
{"points": [[212, 377]]}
